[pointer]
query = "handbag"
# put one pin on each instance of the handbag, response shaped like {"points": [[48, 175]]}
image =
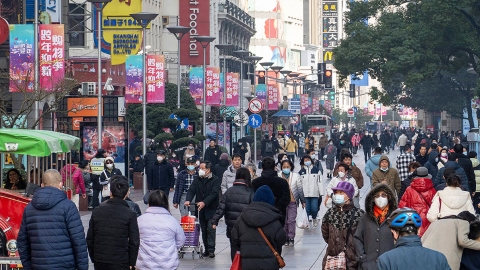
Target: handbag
{"points": [[339, 262], [281, 262], [236, 264], [106, 188], [145, 197]]}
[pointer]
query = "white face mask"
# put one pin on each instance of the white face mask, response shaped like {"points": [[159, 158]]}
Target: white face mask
{"points": [[201, 173], [109, 165], [341, 174], [159, 159], [197, 163], [190, 147], [381, 202]]}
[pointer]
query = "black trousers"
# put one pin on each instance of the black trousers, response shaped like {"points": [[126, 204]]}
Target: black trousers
{"points": [[108, 266], [208, 233], [95, 200], [367, 152]]}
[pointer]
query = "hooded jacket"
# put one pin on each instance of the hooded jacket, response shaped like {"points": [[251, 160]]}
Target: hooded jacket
{"points": [[221, 167], [419, 196], [390, 176], [439, 181], [254, 251], [372, 238], [467, 166], [51, 228], [311, 181], [432, 164], [372, 165], [448, 202], [228, 178], [476, 169]]}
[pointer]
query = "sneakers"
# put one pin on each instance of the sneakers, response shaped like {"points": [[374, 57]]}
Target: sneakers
{"points": [[291, 241], [310, 218], [205, 254], [315, 223], [211, 255], [287, 243]]}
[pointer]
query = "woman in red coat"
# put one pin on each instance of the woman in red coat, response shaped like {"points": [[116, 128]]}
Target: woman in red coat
{"points": [[419, 196]]}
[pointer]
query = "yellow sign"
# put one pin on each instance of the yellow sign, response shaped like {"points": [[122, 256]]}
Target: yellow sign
{"points": [[327, 56]]}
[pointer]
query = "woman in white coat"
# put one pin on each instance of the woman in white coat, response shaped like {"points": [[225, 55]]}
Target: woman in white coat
{"points": [[160, 235], [311, 178], [342, 175], [296, 197]]}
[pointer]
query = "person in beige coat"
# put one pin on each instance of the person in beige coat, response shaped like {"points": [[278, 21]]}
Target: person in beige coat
{"points": [[449, 236], [450, 201], [386, 175]]}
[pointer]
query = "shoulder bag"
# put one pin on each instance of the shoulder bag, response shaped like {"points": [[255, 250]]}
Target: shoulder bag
{"points": [[339, 262], [106, 188], [281, 262]]}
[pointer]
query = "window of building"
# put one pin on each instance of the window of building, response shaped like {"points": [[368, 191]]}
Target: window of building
{"points": [[76, 24]]}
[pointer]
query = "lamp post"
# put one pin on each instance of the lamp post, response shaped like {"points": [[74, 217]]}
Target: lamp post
{"points": [[204, 41], [254, 60], [275, 69], [100, 5], [179, 32], [224, 47], [241, 54], [144, 18], [266, 66]]}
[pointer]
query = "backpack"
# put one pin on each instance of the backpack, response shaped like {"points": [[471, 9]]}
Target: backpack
{"points": [[269, 147]]}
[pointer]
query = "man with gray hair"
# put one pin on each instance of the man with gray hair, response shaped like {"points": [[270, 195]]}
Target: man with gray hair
{"points": [[51, 235]]}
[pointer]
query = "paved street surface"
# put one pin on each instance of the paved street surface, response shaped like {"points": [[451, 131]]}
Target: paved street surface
{"points": [[307, 253]]}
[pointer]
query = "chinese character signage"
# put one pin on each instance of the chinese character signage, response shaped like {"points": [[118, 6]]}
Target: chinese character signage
{"points": [[261, 93], [134, 79], [330, 9], [155, 79], [328, 106], [304, 103], [272, 97], [232, 89], [330, 24], [51, 48], [21, 58], [316, 105], [213, 86], [196, 84]]}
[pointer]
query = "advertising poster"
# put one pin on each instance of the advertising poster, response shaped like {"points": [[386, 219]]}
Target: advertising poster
{"points": [[52, 59], [232, 89], [328, 106], [21, 58], [196, 84], [213, 134], [315, 105], [261, 92], [304, 103], [155, 78], [213, 86], [222, 88], [272, 97], [134, 79], [195, 15]]}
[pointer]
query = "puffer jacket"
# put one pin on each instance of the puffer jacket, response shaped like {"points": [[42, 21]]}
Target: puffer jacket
{"points": [[335, 227], [440, 182], [322, 143], [373, 238], [51, 228], [228, 178], [354, 172], [448, 202], [391, 176], [221, 167], [476, 168], [432, 164], [232, 204], [296, 188], [160, 237], [372, 165], [254, 251], [180, 185], [77, 177], [311, 181], [419, 196], [292, 146]]}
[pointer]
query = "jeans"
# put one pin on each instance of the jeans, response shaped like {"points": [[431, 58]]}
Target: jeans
{"points": [[208, 233], [312, 206], [367, 153], [289, 226], [291, 157], [392, 145]]}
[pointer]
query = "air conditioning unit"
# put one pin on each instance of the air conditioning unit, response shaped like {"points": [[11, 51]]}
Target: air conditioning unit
{"points": [[89, 88]]}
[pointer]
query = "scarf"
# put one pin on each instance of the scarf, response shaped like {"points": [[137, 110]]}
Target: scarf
{"points": [[380, 214]]}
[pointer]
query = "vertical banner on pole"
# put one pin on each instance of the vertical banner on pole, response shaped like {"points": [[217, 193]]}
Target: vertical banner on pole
{"points": [[196, 84], [222, 88], [316, 105], [52, 59], [213, 86], [21, 58], [232, 89], [304, 103], [134, 78], [272, 97], [155, 78], [261, 93]]}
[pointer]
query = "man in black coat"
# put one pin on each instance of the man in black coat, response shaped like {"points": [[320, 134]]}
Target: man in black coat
{"points": [[206, 189], [278, 185], [268, 150], [161, 175], [113, 238], [150, 158], [367, 142], [212, 153], [466, 164]]}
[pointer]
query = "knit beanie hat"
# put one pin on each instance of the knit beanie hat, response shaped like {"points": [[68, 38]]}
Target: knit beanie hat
{"points": [[224, 156], [345, 187], [264, 194]]}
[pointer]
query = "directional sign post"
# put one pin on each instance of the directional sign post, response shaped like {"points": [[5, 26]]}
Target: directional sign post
{"points": [[254, 121]]}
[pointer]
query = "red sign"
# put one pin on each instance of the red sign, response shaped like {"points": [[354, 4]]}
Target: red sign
{"points": [[350, 111], [4, 30], [213, 86], [304, 103], [232, 89], [272, 93], [52, 59], [155, 79], [196, 15]]}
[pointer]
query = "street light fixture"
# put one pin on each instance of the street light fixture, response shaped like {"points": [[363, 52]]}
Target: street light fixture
{"points": [[144, 18], [100, 5], [224, 48], [179, 32], [254, 60], [204, 41], [266, 66], [241, 54]]}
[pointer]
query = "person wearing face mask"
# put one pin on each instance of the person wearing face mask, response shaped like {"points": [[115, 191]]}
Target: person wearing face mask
{"points": [[330, 154], [466, 164], [352, 171], [419, 196], [205, 188], [107, 173], [443, 158], [367, 143], [190, 151], [355, 143], [161, 175], [339, 226], [182, 184], [373, 236], [322, 143], [432, 163], [386, 175], [312, 183], [341, 176], [315, 161], [460, 172]]}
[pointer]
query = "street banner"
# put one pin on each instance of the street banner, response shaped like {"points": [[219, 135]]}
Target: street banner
{"points": [[134, 79], [196, 84], [328, 106], [21, 58], [304, 103], [155, 78], [261, 93], [222, 89], [52, 58], [316, 105], [213, 86], [232, 89], [272, 97]]}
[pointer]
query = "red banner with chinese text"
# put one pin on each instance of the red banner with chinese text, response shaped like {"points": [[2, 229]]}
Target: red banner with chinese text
{"points": [[304, 103], [155, 70], [272, 92], [232, 89], [52, 58], [213, 86]]}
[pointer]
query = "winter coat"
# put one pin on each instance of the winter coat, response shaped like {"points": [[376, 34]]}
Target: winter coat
{"points": [[372, 238], [336, 224], [160, 237], [450, 244], [149, 160], [334, 182], [391, 176], [221, 167], [264, 147], [355, 140], [467, 166], [296, 187], [77, 177], [354, 172], [458, 171], [432, 164], [367, 143], [405, 184], [107, 174], [470, 259], [161, 176], [137, 165], [206, 190], [419, 196], [322, 143], [51, 228], [213, 154], [476, 169], [453, 201], [133, 206], [292, 146], [409, 254], [403, 161], [233, 201], [331, 153], [254, 251], [282, 145], [372, 165], [279, 187], [180, 185], [228, 178], [113, 236], [421, 159], [311, 181], [402, 140]]}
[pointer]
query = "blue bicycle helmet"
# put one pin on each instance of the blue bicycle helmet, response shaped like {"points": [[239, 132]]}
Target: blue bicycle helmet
{"points": [[405, 220]]}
